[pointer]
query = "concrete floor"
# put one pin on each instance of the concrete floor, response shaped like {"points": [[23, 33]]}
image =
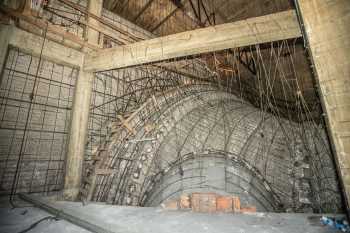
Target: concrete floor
{"points": [[16, 220], [147, 220]]}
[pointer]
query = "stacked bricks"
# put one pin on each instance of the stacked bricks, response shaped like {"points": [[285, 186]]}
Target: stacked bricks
{"points": [[248, 209], [204, 202], [208, 203], [236, 204], [170, 205], [224, 204], [185, 201]]}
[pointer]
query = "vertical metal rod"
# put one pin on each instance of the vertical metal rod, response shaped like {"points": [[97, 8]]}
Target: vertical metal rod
{"points": [[16, 177]]}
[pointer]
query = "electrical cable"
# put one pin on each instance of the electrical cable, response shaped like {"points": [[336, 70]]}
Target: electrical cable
{"points": [[33, 225]]}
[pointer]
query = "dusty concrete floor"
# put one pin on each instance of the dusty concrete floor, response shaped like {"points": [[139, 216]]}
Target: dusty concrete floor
{"points": [[16, 220], [133, 219]]}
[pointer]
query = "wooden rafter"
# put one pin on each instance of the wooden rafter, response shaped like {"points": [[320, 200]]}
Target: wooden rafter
{"points": [[144, 8], [268, 28], [45, 25], [164, 20], [99, 19], [179, 6]]}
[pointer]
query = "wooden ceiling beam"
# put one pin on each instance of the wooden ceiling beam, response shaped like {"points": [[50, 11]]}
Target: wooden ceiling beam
{"points": [[144, 8], [179, 6], [99, 19], [164, 20], [49, 27], [268, 28]]}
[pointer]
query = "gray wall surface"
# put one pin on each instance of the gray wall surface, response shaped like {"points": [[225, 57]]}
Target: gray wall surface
{"points": [[36, 101]]}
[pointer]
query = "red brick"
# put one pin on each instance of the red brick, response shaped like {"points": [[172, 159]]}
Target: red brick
{"points": [[203, 202], [248, 209], [236, 204], [224, 204], [171, 205], [185, 201]]}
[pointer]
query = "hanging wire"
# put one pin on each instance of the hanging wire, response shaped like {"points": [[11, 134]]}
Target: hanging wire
{"points": [[21, 151]]}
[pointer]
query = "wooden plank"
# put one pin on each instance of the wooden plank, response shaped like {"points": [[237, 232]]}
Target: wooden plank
{"points": [[45, 25], [52, 51], [79, 123], [126, 124], [274, 27], [99, 19], [69, 215]]}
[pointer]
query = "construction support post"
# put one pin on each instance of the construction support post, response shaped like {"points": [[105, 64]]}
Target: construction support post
{"points": [[325, 27], [80, 116]]}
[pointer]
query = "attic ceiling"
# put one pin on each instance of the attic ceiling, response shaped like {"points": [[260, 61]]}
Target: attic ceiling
{"points": [[164, 17]]}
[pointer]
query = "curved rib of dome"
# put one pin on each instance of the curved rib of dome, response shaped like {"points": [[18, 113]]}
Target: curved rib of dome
{"points": [[287, 165]]}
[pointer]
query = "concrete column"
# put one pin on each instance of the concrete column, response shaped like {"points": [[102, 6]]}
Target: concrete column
{"points": [[78, 135], [95, 7], [5, 35], [80, 117], [327, 30]]}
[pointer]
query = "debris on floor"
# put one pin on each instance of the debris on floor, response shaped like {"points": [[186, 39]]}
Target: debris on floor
{"points": [[337, 223], [128, 219]]}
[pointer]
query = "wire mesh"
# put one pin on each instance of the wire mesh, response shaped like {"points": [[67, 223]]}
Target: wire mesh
{"points": [[283, 137], [38, 143]]}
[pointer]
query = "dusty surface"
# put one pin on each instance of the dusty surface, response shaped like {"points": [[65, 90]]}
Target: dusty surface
{"points": [[135, 219], [16, 220]]}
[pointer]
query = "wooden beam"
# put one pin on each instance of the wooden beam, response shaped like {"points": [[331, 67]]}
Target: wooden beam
{"points": [[179, 6], [99, 19], [144, 8], [45, 25], [93, 36], [69, 215], [126, 124], [274, 27], [80, 118], [52, 51], [164, 20]]}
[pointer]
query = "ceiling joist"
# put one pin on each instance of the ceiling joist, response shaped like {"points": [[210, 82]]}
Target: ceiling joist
{"points": [[144, 8], [274, 27]]}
